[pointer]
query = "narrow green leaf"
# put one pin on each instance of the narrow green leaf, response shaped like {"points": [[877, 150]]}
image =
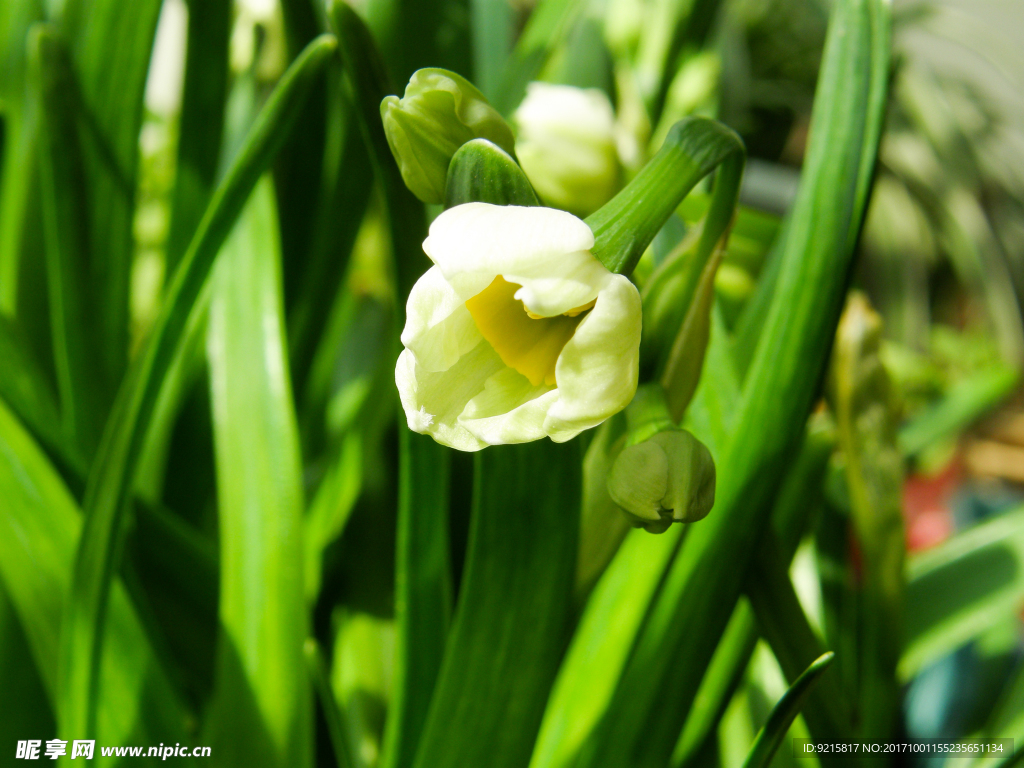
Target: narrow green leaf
{"points": [[114, 469], [643, 719], [721, 681], [770, 737], [39, 526], [601, 644], [22, 696], [875, 59], [27, 391], [76, 337], [421, 33], [261, 712], [171, 569], [482, 172], [799, 496], [668, 27], [686, 357], [299, 173], [111, 43], [366, 72], [423, 595], [23, 290], [784, 625], [494, 30], [549, 24], [343, 755], [959, 588], [200, 124], [513, 609], [331, 507], [347, 182], [15, 20], [713, 410]]}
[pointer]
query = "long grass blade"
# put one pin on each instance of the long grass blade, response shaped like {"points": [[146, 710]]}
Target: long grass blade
{"points": [[493, 23], [549, 24], [513, 609], [262, 709], [784, 625], [348, 180], [39, 527], [421, 33], [423, 596], [343, 754], [200, 124], [111, 44], [22, 695], [601, 644], [770, 737], [17, 176], [799, 496], [299, 174], [114, 469], [365, 69], [83, 392], [22, 257], [170, 570], [27, 391]]}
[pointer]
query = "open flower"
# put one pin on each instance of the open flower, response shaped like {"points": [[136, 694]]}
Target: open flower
{"points": [[517, 332]]}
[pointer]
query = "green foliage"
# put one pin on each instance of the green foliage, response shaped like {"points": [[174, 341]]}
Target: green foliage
{"points": [[770, 737], [261, 713], [216, 526]]}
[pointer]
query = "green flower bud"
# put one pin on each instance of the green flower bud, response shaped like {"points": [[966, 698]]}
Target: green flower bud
{"points": [[480, 172], [668, 478], [664, 474], [439, 113]]}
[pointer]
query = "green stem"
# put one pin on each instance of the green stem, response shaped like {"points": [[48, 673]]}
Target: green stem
{"points": [[694, 147]]}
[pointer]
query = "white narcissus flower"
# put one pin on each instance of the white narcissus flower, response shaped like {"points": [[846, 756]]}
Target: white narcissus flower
{"points": [[566, 146], [517, 332]]}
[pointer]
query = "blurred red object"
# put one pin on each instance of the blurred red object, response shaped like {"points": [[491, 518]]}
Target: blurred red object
{"points": [[926, 505]]}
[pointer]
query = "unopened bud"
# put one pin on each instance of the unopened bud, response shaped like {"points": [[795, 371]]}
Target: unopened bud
{"points": [[439, 113], [667, 478], [567, 146]]}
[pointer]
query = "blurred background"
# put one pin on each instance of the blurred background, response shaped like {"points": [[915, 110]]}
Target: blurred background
{"points": [[939, 273]]}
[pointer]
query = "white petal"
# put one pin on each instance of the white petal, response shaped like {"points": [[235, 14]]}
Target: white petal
{"points": [[433, 401], [598, 369], [509, 410], [544, 250], [566, 145], [584, 115], [438, 328]]}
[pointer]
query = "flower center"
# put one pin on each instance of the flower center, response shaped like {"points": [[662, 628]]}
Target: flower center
{"points": [[528, 343]]}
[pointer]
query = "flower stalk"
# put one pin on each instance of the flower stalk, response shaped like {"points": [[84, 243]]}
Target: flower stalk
{"points": [[695, 147]]}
